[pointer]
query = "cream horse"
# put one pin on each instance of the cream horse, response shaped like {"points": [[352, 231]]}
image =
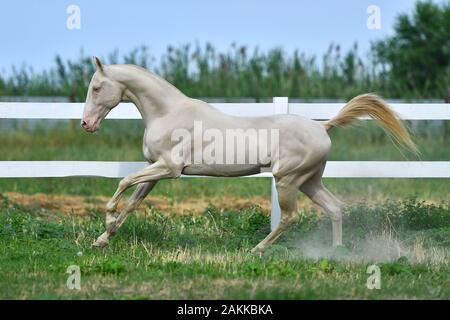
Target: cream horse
{"points": [[297, 163]]}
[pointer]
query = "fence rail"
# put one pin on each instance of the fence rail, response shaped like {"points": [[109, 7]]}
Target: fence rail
{"points": [[120, 169], [317, 111]]}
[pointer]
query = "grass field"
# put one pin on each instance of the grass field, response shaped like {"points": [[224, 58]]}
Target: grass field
{"points": [[201, 249], [158, 255]]}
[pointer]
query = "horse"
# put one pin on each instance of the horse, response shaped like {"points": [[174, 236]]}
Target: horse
{"points": [[297, 156]]}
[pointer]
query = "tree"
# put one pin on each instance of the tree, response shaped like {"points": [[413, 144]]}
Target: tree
{"points": [[417, 56]]}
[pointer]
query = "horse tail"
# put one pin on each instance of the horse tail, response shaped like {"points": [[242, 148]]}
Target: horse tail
{"points": [[373, 106]]}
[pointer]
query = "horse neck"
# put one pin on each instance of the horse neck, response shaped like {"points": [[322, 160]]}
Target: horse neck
{"points": [[153, 96]]}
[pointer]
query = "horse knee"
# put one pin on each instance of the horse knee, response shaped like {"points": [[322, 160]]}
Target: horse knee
{"points": [[123, 184]]}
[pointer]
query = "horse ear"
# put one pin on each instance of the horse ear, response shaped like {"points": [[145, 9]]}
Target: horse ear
{"points": [[98, 64]]}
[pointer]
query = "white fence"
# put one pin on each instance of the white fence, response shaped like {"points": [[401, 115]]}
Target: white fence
{"points": [[317, 111]]}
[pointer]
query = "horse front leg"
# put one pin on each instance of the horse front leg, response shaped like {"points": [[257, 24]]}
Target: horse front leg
{"points": [[146, 179], [135, 200]]}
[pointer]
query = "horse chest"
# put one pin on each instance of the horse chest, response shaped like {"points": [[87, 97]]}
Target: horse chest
{"points": [[146, 149], [148, 154]]}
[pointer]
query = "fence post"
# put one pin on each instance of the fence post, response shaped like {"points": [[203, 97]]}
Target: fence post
{"points": [[280, 106], [276, 210]]}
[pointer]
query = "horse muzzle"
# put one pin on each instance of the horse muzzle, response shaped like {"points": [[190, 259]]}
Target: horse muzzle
{"points": [[89, 126]]}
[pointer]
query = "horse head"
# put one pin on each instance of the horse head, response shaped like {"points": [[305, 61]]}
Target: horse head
{"points": [[104, 93]]}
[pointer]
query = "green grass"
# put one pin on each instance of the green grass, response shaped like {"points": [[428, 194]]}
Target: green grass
{"points": [[160, 255], [122, 140]]}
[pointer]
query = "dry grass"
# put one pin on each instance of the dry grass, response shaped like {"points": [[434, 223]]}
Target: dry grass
{"points": [[78, 205]]}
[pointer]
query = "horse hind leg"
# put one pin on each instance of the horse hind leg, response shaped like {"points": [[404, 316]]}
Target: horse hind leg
{"points": [[332, 206], [287, 198], [287, 188]]}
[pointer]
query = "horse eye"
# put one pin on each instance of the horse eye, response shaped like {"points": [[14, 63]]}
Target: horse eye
{"points": [[96, 89]]}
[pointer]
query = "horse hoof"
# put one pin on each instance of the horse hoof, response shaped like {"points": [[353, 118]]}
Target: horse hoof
{"points": [[257, 249], [101, 242]]}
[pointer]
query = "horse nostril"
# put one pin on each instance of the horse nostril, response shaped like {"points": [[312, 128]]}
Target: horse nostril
{"points": [[83, 123]]}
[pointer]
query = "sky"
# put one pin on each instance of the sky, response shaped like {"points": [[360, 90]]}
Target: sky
{"points": [[33, 32]]}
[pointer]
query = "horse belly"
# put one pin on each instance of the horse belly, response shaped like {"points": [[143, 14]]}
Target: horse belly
{"points": [[222, 170]]}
